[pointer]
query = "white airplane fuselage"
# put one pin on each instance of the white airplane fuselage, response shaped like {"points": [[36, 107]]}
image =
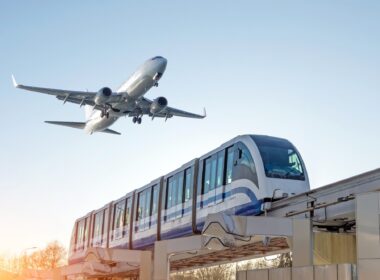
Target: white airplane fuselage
{"points": [[142, 80]]}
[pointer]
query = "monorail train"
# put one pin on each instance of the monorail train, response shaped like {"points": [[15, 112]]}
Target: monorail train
{"points": [[238, 178]]}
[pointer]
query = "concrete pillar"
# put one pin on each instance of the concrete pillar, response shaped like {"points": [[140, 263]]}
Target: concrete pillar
{"points": [[161, 265], [302, 242], [146, 266]]}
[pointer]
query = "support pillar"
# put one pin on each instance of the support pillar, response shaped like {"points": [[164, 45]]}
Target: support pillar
{"points": [[302, 242], [368, 235]]}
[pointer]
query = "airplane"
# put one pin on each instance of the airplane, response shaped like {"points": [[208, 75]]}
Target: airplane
{"points": [[105, 107]]}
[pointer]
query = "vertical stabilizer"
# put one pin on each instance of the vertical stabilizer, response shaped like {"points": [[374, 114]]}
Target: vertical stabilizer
{"points": [[88, 110]]}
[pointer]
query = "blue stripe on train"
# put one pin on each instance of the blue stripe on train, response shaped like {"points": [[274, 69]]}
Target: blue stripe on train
{"points": [[252, 208]]}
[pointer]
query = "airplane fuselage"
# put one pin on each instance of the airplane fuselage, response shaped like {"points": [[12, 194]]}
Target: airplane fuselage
{"points": [[133, 89]]}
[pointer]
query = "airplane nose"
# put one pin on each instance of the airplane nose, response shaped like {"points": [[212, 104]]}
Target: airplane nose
{"points": [[163, 63]]}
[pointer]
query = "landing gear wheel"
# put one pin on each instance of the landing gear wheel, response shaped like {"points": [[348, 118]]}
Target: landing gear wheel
{"points": [[134, 120], [139, 120], [155, 84], [102, 114], [108, 115]]}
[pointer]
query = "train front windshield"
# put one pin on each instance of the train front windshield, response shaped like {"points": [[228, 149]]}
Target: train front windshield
{"points": [[280, 158]]}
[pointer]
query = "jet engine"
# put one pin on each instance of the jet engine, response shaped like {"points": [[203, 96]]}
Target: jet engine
{"points": [[102, 96], [158, 105]]}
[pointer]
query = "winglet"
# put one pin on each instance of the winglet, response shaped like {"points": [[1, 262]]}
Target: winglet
{"points": [[204, 112], [15, 84]]}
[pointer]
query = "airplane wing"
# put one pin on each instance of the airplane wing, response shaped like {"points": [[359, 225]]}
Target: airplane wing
{"points": [[169, 112], [78, 97]]}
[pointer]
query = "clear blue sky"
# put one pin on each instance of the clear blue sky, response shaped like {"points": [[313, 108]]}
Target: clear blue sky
{"points": [[307, 71]]}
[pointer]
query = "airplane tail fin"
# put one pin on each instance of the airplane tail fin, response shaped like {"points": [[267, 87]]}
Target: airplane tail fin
{"points": [[88, 111]]}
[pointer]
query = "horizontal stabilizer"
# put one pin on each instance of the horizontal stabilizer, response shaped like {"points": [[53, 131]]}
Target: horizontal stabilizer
{"points": [[79, 125]]}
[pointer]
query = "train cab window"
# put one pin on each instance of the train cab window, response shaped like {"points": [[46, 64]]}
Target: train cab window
{"points": [[244, 165], [188, 184], [280, 158], [118, 221], [229, 164]]}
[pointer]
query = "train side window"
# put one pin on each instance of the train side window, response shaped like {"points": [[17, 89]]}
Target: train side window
{"points": [[245, 166], [118, 221], [179, 188], [213, 172], [155, 199], [188, 184], [147, 202], [174, 190], [86, 231], [206, 175], [220, 168], [169, 190], [229, 164], [140, 206], [128, 211]]}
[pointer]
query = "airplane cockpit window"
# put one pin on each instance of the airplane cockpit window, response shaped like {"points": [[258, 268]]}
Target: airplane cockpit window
{"points": [[280, 158], [156, 57]]}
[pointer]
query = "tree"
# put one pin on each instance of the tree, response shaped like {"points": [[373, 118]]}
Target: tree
{"points": [[52, 256]]}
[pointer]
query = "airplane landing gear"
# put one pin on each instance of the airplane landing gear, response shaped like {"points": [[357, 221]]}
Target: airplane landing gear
{"points": [[137, 120], [104, 113], [155, 84]]}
